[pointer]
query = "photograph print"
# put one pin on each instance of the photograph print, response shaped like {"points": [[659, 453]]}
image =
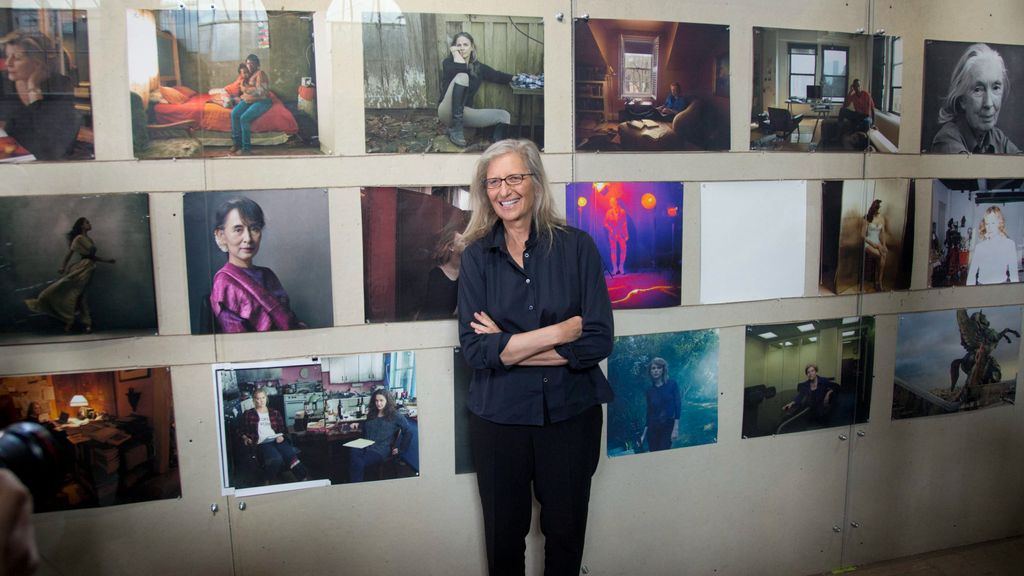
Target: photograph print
{"points": [[826, 91], [45, 85], [412, 250], [306, 422], [215, 82], [666, 392], [651, 86], [807, 375], [451, 82], [75, 267], [638, 230], [867, 235], [101, 438], [969, 105], [258, 260], [977, 234], [951, 361]]}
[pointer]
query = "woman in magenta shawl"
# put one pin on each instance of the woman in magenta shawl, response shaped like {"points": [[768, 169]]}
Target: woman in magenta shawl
{"points": [[246, 297]]}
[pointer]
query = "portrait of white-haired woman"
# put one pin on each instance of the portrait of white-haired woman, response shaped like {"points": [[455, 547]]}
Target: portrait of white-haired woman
{"points": [[535, 321], [970, 109]]}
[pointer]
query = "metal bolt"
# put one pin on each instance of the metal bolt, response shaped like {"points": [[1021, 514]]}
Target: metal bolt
{"points": [[241, 505], [836, 529], [214, 508], [861, 433], [855, 524], [843, 437], [559, 16]]}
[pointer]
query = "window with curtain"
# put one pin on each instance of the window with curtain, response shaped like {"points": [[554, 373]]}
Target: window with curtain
{"points": [[834, 71], [803, 61], [639, 66]]}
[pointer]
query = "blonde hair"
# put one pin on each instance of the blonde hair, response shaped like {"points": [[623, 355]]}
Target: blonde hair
{"points": [[983, 228], [37, 47], [545, 219]]}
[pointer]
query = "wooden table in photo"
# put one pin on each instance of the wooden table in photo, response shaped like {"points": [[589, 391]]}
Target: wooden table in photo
{"points": [[528, 98]]}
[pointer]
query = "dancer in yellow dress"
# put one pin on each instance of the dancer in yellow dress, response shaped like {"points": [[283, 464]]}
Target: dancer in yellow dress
{"points": [[66, 297]]}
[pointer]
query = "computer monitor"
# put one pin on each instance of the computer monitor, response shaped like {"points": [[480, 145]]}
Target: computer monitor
{"points": [[814, 92]]}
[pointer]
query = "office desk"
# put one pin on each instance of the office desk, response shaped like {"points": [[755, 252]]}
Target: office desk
{"points": [[529, 98]]}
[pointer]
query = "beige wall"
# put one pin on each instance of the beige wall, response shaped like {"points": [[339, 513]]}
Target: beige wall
{"points": [[765, 505]]}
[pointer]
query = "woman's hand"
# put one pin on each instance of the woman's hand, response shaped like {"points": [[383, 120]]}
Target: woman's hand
{"points": [[246, 440], [457, 55], [394, 451], [280, 439], [247, 99], [484, 324]]}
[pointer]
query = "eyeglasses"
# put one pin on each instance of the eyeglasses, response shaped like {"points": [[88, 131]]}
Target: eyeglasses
{"points": [[511, 180]]}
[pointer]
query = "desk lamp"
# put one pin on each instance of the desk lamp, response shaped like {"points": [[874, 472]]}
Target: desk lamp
{"points": [[79, 401]]}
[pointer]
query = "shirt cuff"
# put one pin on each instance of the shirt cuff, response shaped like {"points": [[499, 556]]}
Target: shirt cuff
{"points": [[566, 351], [495, 346]]}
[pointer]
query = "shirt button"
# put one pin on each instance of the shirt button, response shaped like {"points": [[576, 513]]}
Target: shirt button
{"points": [[527, 280], [526, 254], [531, 306], [545, 380]]}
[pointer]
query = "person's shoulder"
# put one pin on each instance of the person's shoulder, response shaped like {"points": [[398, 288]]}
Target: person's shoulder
{"points": [[948, 140]]}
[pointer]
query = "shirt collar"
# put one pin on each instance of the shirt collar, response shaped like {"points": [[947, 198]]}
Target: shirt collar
{"points": [[970, 143], [495, 239]]}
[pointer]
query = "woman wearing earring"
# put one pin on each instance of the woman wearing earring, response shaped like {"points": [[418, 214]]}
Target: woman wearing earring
{"points": [[246, 297], [462, 73], [65, 298]]}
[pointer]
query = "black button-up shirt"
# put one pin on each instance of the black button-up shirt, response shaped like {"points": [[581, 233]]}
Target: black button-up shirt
{"points": [[555, 283]]}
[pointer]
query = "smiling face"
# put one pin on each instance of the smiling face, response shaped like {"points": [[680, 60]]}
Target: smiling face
{"points": [[240, 238], [984, 94], [19, 66], [464, 47], [812, 373], [512, 204], [379, 401]]}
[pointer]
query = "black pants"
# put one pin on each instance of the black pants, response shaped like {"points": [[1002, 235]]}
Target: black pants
{"points": [[558, 460]]}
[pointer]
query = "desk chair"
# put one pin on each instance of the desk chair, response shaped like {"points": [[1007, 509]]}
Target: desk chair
{"points": [[782, 123]]}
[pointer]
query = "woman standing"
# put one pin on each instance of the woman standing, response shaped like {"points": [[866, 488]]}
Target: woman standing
{"points": [[43, 119], [874, 242], [255, 101], [534, 322], [389, 431], [66, 297], [461, 76], [246, 297], [663, 408], [994, 257]]}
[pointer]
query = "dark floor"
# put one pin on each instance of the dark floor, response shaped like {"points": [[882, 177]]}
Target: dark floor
{"points": [[996, 558]]}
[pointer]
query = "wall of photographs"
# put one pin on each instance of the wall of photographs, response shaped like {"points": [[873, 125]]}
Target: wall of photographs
{"points": [[751, 225]]}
